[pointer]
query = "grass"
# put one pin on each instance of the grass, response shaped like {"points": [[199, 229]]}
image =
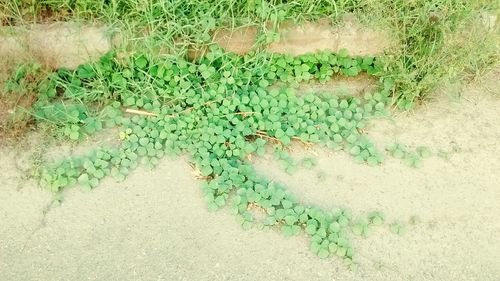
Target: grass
{"points": [[440, 40], [19, 93], [437, 39]]}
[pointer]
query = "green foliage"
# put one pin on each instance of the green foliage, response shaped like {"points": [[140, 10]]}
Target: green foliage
{"points": [[219, 110], [423, 151], [309, 162], [397, 228], [376, 218], [398, 150], [17, 95], [412, 159], [440, 42], [190, 20], [362, 228]]}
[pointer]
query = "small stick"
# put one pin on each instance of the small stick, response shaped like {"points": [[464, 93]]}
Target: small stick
{"points": [[306, 143], [264, 135], [245, 114], [146, 113], [140, 112]]}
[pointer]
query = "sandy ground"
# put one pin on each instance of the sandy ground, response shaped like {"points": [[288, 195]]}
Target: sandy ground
{"points": [[155, 225], [310, 38], [55, 45]]}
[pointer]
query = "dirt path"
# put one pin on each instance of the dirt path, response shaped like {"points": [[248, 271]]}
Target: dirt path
{"points": [[54, 45], [155, 225]]}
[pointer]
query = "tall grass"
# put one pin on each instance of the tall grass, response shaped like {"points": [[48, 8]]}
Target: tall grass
{"points": [[436, 39]]}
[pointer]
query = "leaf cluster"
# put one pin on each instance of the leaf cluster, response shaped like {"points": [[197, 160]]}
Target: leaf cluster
{"points": [[219, 110]]}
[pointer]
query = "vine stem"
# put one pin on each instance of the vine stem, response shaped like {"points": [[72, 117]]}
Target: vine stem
{"points": [[306, 143], [140, 112], [264, 135], [143, 112]]}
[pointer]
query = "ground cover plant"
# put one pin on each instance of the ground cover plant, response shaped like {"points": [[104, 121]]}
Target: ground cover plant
{"points": [[219, 110]]}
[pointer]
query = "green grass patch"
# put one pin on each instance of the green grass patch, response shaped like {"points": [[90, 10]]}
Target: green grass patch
{"points": [[435, 40]]}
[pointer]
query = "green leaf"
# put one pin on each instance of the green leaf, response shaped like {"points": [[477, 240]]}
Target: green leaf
{"points": [[357, 229], [323, 253], [355, 150], [93, 182], [290, 219], [247, 225], [206, 170], [341, 251], [74, 135], [310, 229], [263, 83], [397, 228], [220, 201], [376, 218], [315, 247], [85, 71], [286, 204], [309, 162], [334, 227], [343, 53], [332, 247], [83, 178], [86, 187], [424, 151], [141, 62]]}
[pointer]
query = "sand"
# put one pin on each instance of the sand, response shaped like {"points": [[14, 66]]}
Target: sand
{"points": [[155, 224], [310, 37], [55, 45]]}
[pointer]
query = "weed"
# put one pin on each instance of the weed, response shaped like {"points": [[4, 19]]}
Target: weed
{"points": [[414, 220], [221, 112], [309, 162], [376, 218], [362, 228], [398, 228], [412, 159], [435, 40], [17, 97]]}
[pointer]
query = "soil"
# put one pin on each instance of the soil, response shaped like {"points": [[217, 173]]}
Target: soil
{"points": [[313, 37], [240, 40], [310, 38], [55, 45]]}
